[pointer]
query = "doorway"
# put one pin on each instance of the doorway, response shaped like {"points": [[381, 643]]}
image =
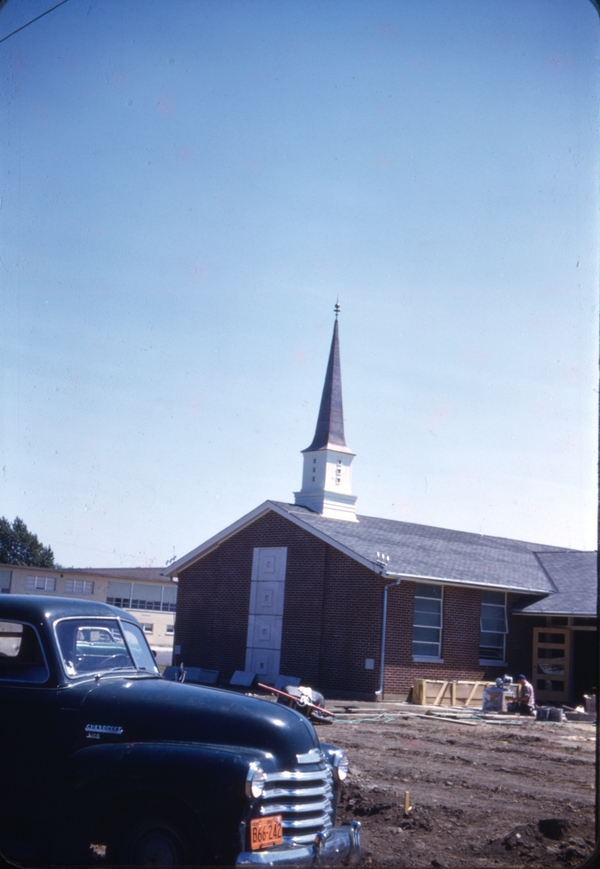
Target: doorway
{"points": [[585, 665], [551, 656]]}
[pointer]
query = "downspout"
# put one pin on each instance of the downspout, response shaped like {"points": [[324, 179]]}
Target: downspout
{"points": [[383, 625]]}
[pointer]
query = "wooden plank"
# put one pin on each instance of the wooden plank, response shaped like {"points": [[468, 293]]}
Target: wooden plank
{"points": [[473, 690], [444, 718], [453, 694], [440, 693], [419, 689]]}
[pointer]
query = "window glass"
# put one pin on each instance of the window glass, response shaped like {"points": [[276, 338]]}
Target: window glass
{"points": [[5, 576], [21, 656], [493, 626], [11, 636], [79, 586], [119, 594], [40, 583], [142, 596], [494, 597], [427, 622], [425, 590], [140, 650], [169, 598], [92, 646]]}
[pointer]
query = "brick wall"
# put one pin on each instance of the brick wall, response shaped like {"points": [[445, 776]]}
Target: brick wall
{"points": [[460, 640], [332, 618], [351, 626], [214, 597]]}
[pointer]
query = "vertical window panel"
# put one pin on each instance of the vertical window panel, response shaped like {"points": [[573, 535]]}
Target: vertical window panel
{"points": [[427, 621]]}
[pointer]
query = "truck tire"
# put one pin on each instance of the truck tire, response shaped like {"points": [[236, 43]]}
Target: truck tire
{"points": [[151, 841]]}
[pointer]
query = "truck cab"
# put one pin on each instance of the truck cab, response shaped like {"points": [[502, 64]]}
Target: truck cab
{"points": [[107, 762]]}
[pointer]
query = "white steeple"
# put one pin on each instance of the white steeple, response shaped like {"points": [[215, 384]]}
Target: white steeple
{"points": [[327, 472]]}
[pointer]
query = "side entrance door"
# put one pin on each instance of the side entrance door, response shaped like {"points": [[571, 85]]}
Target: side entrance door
{"points": [[551, 648], [265, 616]]}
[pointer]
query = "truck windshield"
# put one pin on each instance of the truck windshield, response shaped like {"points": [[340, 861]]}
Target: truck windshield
{"points": [[97, 645], [142, 654]]}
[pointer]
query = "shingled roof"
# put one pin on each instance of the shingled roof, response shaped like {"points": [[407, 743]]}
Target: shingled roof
{"points": [[441, 554], [422, 552], [329, 433], [575, 575]]}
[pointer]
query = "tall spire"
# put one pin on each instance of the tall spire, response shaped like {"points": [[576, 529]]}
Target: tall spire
{"points": [[327, 475], [329, 432]]}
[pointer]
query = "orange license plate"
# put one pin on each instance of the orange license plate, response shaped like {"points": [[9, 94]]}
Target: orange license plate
{"points": [[265, 832]]}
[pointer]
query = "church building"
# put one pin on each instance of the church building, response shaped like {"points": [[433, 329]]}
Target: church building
{"points": [[360, 607]]}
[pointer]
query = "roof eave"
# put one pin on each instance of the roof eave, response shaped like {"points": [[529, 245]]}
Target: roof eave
{"points": [[210, 544], [336, 448], [583, 614]]}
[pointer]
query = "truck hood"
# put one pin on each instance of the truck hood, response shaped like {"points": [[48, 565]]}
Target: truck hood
{"points": [[149, 710]]}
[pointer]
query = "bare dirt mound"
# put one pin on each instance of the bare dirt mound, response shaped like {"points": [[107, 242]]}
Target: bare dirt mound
{"points": [[482, 794]]}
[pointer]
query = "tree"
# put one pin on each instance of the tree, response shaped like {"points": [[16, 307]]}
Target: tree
{"points": [[19, 546]]}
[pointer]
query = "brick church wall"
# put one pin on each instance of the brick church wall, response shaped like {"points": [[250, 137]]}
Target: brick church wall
{"points": [[351, 626], [332, 618], [460, 640]]}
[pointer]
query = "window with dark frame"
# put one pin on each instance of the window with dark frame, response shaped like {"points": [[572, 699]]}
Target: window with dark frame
{"points": [[427, 621], [79, 586], [5, 578], [493, 627], [40, 583], [135, 596]]}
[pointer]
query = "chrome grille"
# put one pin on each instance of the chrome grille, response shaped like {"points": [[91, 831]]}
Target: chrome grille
{"points": [[304, 799]]}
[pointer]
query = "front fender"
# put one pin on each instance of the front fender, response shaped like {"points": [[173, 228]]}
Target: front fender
{"points": [[105, 781]]}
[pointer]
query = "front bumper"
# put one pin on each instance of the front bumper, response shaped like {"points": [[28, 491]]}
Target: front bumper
{"points": [[339, 845]]}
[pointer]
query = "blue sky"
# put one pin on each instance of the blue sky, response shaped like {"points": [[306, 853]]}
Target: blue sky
{"points": [[188, 186]]}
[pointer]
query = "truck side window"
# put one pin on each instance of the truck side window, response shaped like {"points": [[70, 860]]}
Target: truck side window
{"points": [[21, 656]]}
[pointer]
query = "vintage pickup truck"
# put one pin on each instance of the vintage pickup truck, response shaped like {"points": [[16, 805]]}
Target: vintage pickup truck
{"points": [[104, 761]]}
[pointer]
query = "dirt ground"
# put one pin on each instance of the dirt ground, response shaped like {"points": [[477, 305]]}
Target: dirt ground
{"points": [[513, 793], [518, 793]]}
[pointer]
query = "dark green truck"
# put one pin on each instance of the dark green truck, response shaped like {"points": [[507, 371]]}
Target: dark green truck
{"points": [[106, 762]]}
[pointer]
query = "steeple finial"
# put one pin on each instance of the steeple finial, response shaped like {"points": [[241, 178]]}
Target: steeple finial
{"points": [[336, 307]]}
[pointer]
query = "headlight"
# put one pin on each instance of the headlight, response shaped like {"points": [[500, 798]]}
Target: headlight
{"points": [[255, 781], [340, 765]]}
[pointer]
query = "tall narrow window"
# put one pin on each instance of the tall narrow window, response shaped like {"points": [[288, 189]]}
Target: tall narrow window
{"points": [[493, 626], [427, 624]]}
